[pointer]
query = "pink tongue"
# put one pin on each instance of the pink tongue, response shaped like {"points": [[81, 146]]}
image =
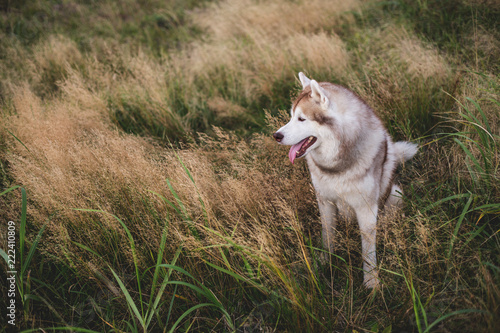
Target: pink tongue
{"points": [[295, 148]]}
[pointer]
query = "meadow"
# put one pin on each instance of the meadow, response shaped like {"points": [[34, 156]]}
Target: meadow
{"points": [[148, 195]]}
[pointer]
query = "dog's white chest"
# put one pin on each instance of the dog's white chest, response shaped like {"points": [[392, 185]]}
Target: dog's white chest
{"points": [[345, 189]]}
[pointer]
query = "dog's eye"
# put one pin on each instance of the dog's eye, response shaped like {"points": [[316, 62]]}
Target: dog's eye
{"points": [[301, 119]]}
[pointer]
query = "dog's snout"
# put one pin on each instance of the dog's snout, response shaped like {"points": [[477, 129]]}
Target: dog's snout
{"points": [[278, 136]]}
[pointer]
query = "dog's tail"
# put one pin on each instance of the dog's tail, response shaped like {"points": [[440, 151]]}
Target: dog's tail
{"points": [[405, 150]]}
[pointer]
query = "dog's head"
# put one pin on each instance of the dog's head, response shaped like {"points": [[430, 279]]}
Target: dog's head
{"points": [[312, 114]]}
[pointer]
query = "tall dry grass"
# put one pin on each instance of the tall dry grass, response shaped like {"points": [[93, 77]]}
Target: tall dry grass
{"points": [[127, 129], [69, 155]]}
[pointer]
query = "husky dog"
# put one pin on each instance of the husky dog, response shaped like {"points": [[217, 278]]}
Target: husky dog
{"points": [[351, 157]]}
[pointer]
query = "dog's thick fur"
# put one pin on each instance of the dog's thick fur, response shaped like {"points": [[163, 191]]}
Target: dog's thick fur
{"points": [[351, 157]]}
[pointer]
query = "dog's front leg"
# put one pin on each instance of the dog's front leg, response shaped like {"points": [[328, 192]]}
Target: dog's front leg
{"points": [[328, 212], [367, 219]]}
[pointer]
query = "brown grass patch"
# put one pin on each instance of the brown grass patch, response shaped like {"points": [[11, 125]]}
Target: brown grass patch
{"points": [[258, 44], [76, 159], [51, 61], [227, 20]]}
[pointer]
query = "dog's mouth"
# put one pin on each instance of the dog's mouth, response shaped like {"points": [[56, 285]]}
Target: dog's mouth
{"points": [[299, 149]]}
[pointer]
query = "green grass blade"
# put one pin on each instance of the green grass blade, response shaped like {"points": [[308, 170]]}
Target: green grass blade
{"points": [[162, 287], [490, 208], [493, 267], [4, 256], [33, 247], [190, 286], [184, 214], [414, 296], [182, 164], [248, 267], [224, 258], [474, 235], [179, 201], [132, 327], [201, 290], [192, 180], [185, 314], [132, 248], [454, 313], [485, 120], [247, 280], [178, 269], [473, 159], [416, 311], [439, 202], [457, 226], [159, 258], [22, 143], [422, 309], [22, 231], [317, 249], [86, 248], [130, 302], [208, 294], [10, 189], [170, 203], [171, 306]]}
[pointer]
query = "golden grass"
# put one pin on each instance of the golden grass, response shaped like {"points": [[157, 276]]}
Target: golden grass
{"points": [[66, 108], [422, 62], [78, 159], [396, 59], [51, 60], [227, 20], [257, 44]]}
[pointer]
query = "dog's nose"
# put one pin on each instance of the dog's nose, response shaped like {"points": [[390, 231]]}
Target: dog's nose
{"points": [[278, 136]]}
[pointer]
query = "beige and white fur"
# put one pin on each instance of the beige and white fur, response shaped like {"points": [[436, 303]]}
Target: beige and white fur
{"points": [[352, 161]]}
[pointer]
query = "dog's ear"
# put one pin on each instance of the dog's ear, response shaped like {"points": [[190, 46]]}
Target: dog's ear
{"points": [[319, 94], [304, 80]]}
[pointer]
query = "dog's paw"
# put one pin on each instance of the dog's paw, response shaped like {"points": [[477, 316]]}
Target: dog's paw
{"points": [[372, 281], [324, 258]]}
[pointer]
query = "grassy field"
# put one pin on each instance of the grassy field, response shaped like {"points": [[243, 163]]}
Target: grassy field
{"points": [[137, 162]]}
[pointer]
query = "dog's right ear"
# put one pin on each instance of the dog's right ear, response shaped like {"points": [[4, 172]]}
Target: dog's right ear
{"points": [[319, 94], [304, 80]]}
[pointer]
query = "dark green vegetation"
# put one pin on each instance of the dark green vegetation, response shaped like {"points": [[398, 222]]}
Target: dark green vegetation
{"points": [[148, 195]]}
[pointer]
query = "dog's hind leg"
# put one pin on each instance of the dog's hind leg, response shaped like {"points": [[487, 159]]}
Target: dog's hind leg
{"points": [[394, 200], [367, 220]]}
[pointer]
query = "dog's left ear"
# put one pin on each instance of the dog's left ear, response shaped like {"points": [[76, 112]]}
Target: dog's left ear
{"points": [[319, 94], [304, 80]]}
